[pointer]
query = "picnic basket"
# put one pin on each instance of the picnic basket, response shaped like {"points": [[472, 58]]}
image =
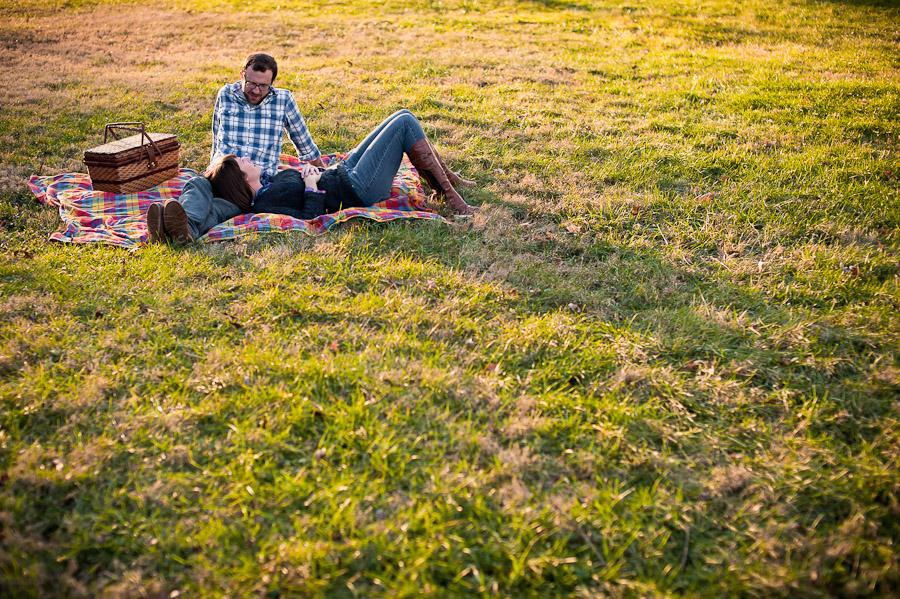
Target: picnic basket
{"points": [[133, 163]]}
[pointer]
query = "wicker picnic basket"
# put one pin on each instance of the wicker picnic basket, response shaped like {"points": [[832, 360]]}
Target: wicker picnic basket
{"points": [[132, 163]]}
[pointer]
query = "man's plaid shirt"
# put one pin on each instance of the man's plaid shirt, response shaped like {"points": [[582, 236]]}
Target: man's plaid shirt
{"points": [[257, 132]]}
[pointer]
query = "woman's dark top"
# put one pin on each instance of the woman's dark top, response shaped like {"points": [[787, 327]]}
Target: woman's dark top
{"points": [[286, 194]]}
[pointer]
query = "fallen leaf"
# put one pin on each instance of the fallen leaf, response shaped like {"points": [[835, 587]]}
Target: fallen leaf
{"points": [[318, 411], [706, 198]]}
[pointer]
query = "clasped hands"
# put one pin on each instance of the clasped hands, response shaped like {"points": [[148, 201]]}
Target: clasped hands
{"points": [[311, 175]]}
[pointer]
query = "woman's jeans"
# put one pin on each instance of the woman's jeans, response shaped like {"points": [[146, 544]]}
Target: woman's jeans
{"points": [[203, 210], [373, 164]]}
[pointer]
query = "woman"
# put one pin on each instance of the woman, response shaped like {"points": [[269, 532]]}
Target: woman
{"points": [[363, 179]]}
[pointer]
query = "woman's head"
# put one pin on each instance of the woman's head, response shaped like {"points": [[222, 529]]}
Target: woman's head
{"points": [[229, 181]]}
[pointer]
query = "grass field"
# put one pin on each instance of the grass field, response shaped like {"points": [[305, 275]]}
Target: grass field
{"points": [[662, 361]]}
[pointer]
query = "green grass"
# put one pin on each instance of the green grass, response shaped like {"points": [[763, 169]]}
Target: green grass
{"points": [[662, 361]]}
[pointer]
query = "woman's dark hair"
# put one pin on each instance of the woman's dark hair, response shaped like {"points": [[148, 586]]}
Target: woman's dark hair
{"points": [[261, 63], [228, 182]]}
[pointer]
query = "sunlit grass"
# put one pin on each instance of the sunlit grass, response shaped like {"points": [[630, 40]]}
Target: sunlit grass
{"points": [[661, 361]]}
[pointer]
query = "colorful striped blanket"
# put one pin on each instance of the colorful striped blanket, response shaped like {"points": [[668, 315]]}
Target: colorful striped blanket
{"points": [[98, 217]]}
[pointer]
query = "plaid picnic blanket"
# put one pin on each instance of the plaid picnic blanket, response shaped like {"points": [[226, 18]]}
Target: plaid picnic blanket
{"points": [[99, 217]]}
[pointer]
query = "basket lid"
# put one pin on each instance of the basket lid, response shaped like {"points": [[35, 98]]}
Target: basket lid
{"points": [[164, 141]]}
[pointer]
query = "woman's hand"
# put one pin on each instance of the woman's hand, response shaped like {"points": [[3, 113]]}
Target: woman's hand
{"points": [[307, 169], [311, 175]]}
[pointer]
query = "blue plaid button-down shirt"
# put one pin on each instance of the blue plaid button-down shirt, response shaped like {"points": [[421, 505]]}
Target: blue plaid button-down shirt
{"points": [[257, 132]]}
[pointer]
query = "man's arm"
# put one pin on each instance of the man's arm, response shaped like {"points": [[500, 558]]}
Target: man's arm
{"points": [[299, 133], [215, 127]]}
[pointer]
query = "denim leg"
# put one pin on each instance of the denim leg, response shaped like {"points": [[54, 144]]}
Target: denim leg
{"points": [[358, 151], [203, 210], [376, 166]]}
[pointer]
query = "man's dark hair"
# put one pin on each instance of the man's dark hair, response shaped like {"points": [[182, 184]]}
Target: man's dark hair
{"points": [[262, 62]]}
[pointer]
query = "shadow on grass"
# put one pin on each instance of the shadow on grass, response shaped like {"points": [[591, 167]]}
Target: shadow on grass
{"points": [[888, 4], [664, 393]]}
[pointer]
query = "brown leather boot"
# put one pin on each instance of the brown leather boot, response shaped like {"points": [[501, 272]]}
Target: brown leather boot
{"points": [[176, 222], [155, 225], [453, 176], [426, 162]]}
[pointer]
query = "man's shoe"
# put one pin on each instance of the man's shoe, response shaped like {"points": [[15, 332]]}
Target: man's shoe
{"points": [[155, 225], [176, 222]]}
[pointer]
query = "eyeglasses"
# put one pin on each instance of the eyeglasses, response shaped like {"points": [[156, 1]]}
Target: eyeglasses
{"points": [[262, 87]]}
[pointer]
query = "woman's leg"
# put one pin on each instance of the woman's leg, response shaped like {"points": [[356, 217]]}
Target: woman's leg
{"points": [[454, 177], [431, 167], [358, 151], [382, 151]]}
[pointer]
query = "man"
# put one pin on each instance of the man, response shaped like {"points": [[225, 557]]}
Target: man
{"points": [[251, 116], [249, 119]]}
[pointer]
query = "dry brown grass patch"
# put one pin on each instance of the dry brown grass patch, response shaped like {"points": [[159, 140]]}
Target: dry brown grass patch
{"points": [[729, 480]]}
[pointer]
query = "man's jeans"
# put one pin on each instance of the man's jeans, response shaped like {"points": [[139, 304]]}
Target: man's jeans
{"points": [[373, 164]]}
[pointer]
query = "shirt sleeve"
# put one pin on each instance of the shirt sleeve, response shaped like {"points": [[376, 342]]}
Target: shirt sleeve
{"points": [[297, 131], [313, 204], [215, 128]]}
